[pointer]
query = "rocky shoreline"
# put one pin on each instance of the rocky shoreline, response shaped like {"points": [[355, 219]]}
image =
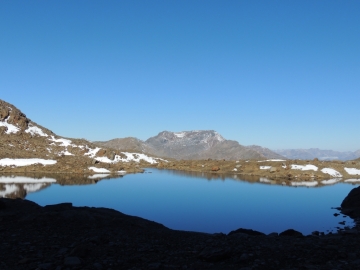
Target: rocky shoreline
{"points": [[286, 171], [66, 237]]}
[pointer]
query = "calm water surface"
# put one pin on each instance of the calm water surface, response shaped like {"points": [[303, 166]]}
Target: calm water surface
{"points": [[189, 202]]}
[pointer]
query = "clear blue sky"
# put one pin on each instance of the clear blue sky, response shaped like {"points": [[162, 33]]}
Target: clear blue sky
{"points": [[280, 74]]}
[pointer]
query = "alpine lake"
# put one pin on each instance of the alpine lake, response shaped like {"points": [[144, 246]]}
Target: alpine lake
{"points": [[210, 203]]}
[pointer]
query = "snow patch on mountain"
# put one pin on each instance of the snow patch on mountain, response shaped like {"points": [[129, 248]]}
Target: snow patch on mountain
{"points": [[180, 134], [304, 167], [331, 172], [92, 152], [10, 127], [63, 142], [34, 130], [130, 157], [352, 171]]}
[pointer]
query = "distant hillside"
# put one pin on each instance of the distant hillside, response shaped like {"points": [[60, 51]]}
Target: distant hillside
{"points": [[24, 143], [198, 144], [318, 153], [127, 144]]}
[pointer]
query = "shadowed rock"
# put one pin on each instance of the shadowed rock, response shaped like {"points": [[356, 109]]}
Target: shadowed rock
{"points": [[246, 231], [291, 232]]}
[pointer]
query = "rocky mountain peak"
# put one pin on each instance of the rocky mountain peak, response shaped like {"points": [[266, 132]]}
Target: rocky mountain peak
{"points": [[195, 144], [187, 138], [12, 120]]}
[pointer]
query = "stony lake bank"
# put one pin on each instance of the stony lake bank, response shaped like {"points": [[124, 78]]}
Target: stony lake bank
{"points": [[66, 237], [284, 171]]}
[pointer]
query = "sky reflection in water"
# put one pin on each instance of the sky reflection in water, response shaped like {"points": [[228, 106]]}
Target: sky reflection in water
{"points": [[197, 204]]}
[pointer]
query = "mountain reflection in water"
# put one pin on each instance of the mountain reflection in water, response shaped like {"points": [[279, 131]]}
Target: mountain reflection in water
{"points": [[263, 180], [19, 186], [193, 201]]}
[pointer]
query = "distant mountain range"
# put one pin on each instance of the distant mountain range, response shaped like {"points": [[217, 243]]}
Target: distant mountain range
{"points": [[318, 153], [197, 144], [21, 137], [204, 144]]}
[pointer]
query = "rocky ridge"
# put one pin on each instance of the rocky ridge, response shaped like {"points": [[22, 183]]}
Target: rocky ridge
{"points": [[26, 146], [196, 144]]}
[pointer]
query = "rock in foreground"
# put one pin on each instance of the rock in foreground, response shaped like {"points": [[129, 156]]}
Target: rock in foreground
{"points": [[66, 237]]}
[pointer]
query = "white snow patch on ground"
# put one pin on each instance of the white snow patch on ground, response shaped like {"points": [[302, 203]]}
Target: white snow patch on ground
{"points": [[352, 171], [10, 128], [304, 167], [332, 172], [34, 130], [137, 157], [264, 180], [66, 153], [99, 170], [105, 159], [235, 169], [265, 167], [95, 176], [64, 142], [25, 161], [331, 181], [130, 157], [307, 184], [92, 152], [271, 160], [121, 172], [352, 180]]}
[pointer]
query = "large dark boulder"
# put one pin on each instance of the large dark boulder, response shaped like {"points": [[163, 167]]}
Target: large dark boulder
{"points": [[352, 200], [291, 232], [246, 231], [351, 204]]}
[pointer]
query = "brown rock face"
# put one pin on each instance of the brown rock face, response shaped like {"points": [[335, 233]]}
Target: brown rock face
{"points": [[101, 153], [3, 112], [15, 117], [215, 169]]}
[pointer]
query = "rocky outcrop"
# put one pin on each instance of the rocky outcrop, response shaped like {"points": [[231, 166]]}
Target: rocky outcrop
{"points": [[13, 116], [351, 204], [352, 200]]}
